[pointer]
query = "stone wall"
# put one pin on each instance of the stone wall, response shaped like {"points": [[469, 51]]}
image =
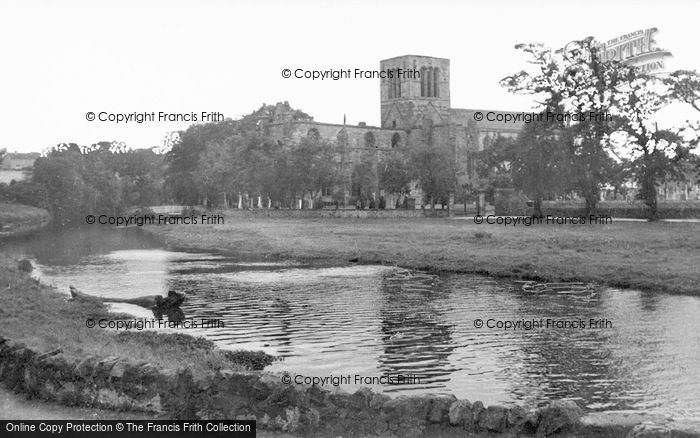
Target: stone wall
{"points": [[91, 382], [632, 210], [337, 214], [300, 409]]}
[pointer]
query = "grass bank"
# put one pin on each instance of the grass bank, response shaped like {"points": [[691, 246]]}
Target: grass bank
{"points": [[16, 218], [651, 256], [44, 320]]}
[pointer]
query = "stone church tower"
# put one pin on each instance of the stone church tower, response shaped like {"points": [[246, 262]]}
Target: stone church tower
{"points": [[418, 94]]}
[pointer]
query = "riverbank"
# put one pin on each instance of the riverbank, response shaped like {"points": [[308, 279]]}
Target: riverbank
{"points": [[19, 218], [659, 257], [44, 319]]}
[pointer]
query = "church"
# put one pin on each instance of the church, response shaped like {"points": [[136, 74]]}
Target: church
{"points": [[414, 108]]}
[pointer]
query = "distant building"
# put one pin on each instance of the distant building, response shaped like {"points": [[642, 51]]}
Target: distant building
{"points": [[18, 161], [17, 167], [415, 108]]}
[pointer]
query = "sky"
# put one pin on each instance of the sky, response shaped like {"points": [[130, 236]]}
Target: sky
{"points": [[61, 60]]}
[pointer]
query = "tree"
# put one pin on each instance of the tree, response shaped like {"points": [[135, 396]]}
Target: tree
{"points": [[76, 181], [655, 153], [235, 157], [537, 164], [364, 177], [492, 167], [395, 173], [575, 81], [312, 168], [434, 169], [3, 153], [183, 158], [59, 174], [685, 87]]}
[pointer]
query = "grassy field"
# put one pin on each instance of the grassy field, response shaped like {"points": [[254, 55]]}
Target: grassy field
{"points": [[45, 320], [652, 256]]}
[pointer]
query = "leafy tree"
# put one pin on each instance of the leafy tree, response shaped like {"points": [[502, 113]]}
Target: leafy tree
{"points": [[183, 158], [492, 167], [233, 157], [434, 169], [23, 192], [311, 168], [142, 174], [685, 87], [655, 153], [365, 178], [60, 177], [212, 177], [538, 166], [575, 81], [103, 178], [3, 153], [395, 173]]}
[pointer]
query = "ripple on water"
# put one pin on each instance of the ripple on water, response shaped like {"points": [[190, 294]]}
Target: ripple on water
{"points": [[378, 320]]}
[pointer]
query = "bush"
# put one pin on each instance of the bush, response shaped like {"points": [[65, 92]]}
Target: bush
{"points": [[193, 211], [23, 192]]}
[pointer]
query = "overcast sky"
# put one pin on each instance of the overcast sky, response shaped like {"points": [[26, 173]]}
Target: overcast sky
{"points": [[60, 60]]}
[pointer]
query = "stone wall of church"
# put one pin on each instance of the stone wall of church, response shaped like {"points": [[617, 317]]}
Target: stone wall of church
{"points": [[355, 137]]}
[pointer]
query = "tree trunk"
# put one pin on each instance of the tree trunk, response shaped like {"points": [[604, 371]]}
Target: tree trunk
{"points": [[591, 202], [538, 207], [649, 197]]}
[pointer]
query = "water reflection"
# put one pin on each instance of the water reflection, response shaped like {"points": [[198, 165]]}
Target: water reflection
{"points": [[416, 335], [375, 320]]}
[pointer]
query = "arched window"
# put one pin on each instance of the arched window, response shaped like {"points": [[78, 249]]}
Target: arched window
{"points": [[430, 82], [397, 83], [342, 138], [395, 139], [436, 82], [394, 84], [355, 178], [313, 134], [370, 140]]}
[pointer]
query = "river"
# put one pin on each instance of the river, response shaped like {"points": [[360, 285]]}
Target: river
{"points": [[378, 321]]}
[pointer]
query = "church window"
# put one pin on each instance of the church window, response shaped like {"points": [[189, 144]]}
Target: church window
{"points": [[436, 82], [394, 84], [430, 82], [395, 140], [342, 138], [370, 140]]}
